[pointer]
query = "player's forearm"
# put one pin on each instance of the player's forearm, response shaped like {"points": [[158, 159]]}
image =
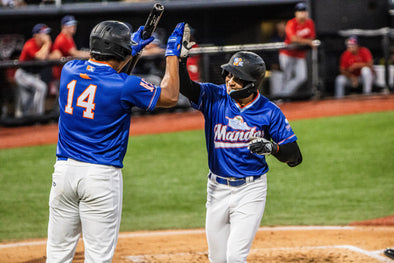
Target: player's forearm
{"points": [[345, 72], [43, 53], [289, 153], [300, 40], [188, 88], [170, 83]]}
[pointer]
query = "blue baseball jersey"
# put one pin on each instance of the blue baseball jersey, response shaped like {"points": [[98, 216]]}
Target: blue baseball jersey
{"points": [[95, 110], [228, 129]]}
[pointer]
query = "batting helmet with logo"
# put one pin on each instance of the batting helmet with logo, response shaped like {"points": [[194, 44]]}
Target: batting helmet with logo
{"points": [[111, 38], [250, 68]]}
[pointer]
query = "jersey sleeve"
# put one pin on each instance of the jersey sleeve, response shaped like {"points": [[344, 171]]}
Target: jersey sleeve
{"points": [[209, 94], [343, 61], [367, 56], [140, 93], [30, 51], [290, 29], [280, 130]]}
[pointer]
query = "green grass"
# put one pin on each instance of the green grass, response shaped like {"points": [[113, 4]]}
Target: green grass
{"points": [[346, 175]]}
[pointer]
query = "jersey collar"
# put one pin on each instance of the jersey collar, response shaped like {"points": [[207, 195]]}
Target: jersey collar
{"points": [[250, 104], [99, 63]]}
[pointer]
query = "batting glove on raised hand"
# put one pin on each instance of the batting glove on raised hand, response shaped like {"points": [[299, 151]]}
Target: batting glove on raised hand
{"points": [[174, 43], [139, 43], [186, 44], [262, 146]]}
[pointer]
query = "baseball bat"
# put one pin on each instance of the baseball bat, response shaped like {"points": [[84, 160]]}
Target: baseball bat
{"points": [[149, 27]]}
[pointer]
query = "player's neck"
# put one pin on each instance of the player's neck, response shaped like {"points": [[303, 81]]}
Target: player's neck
{"points": [[243, 102]]}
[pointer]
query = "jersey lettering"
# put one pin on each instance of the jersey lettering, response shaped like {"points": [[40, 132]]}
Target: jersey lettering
{"points": [[71, 87], [147, 85], [85, 100]]}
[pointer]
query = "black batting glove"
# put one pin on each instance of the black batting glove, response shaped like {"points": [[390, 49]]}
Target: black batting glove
{"points": [[262, 146]]}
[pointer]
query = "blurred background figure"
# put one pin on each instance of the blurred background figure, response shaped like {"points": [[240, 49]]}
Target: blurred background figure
{"points": [[193, 63], [64, 46], [32, 90], [299, 30], [355, 68]]}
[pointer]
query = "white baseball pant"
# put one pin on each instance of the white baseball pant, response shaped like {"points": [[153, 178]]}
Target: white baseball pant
{"points": [[31, 93], [233, 218], [342, 81], [294, 73], [85, 197]]}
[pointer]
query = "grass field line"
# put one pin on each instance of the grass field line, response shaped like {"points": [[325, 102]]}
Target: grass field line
{"points": [[187, 232], [373, 254]]}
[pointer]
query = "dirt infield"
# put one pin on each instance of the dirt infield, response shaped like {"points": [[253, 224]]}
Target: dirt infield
{"points": [[272, 244], [358, 242]]}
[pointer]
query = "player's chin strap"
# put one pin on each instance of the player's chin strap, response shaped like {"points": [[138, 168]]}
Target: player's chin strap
{"points": [[245, 92]]}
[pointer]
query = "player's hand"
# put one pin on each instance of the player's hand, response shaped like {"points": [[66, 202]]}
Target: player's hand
{"points": [[262, 146], [354, 81], [46, 38], [139, 43], [186, 44], [174, 43]]}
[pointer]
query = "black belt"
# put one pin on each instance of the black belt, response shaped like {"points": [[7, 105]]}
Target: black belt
{"points": [[233, 181]]}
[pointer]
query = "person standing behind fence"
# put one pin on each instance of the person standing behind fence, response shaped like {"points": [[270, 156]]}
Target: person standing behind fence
{"points": [[355, 67], [64, 44], [32, 89], [299, 30]]}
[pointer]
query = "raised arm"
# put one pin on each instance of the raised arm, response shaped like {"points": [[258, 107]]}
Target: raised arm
{"points": [[170, 83], [188, 88]]}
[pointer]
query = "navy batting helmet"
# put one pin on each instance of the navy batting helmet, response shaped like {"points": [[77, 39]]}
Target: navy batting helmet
{"points": [[111, 38], [249, 67]]}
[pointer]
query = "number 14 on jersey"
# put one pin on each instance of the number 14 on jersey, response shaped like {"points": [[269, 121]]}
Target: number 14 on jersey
{"points": [[85, 100]]}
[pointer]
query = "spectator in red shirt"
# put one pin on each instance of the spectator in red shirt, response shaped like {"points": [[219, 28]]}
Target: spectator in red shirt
{"points": [[300, 30], [193, 62], [355, 68], [64, 44], [32, 89]]}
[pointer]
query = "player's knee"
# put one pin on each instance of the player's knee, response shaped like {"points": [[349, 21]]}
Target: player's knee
{"points": [[366, 72]]}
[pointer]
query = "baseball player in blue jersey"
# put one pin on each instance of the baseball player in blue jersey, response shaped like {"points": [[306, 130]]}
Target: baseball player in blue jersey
{"points": [[95, 108], [242, 127]]}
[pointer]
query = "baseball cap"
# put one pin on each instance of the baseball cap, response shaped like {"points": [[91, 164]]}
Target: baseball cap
{"points": [[352, 41], [41, 29], [300, 7], [69, 21]]}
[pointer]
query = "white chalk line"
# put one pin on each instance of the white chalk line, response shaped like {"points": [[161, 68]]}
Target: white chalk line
{"points": [[373, 254], [194, 231]]}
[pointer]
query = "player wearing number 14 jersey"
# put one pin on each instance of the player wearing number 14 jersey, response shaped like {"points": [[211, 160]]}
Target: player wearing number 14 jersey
{"points": [[95, 102]]}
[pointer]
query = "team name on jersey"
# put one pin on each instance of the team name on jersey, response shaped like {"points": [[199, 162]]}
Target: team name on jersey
{"points": [[236, 137], [304, 32]]}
